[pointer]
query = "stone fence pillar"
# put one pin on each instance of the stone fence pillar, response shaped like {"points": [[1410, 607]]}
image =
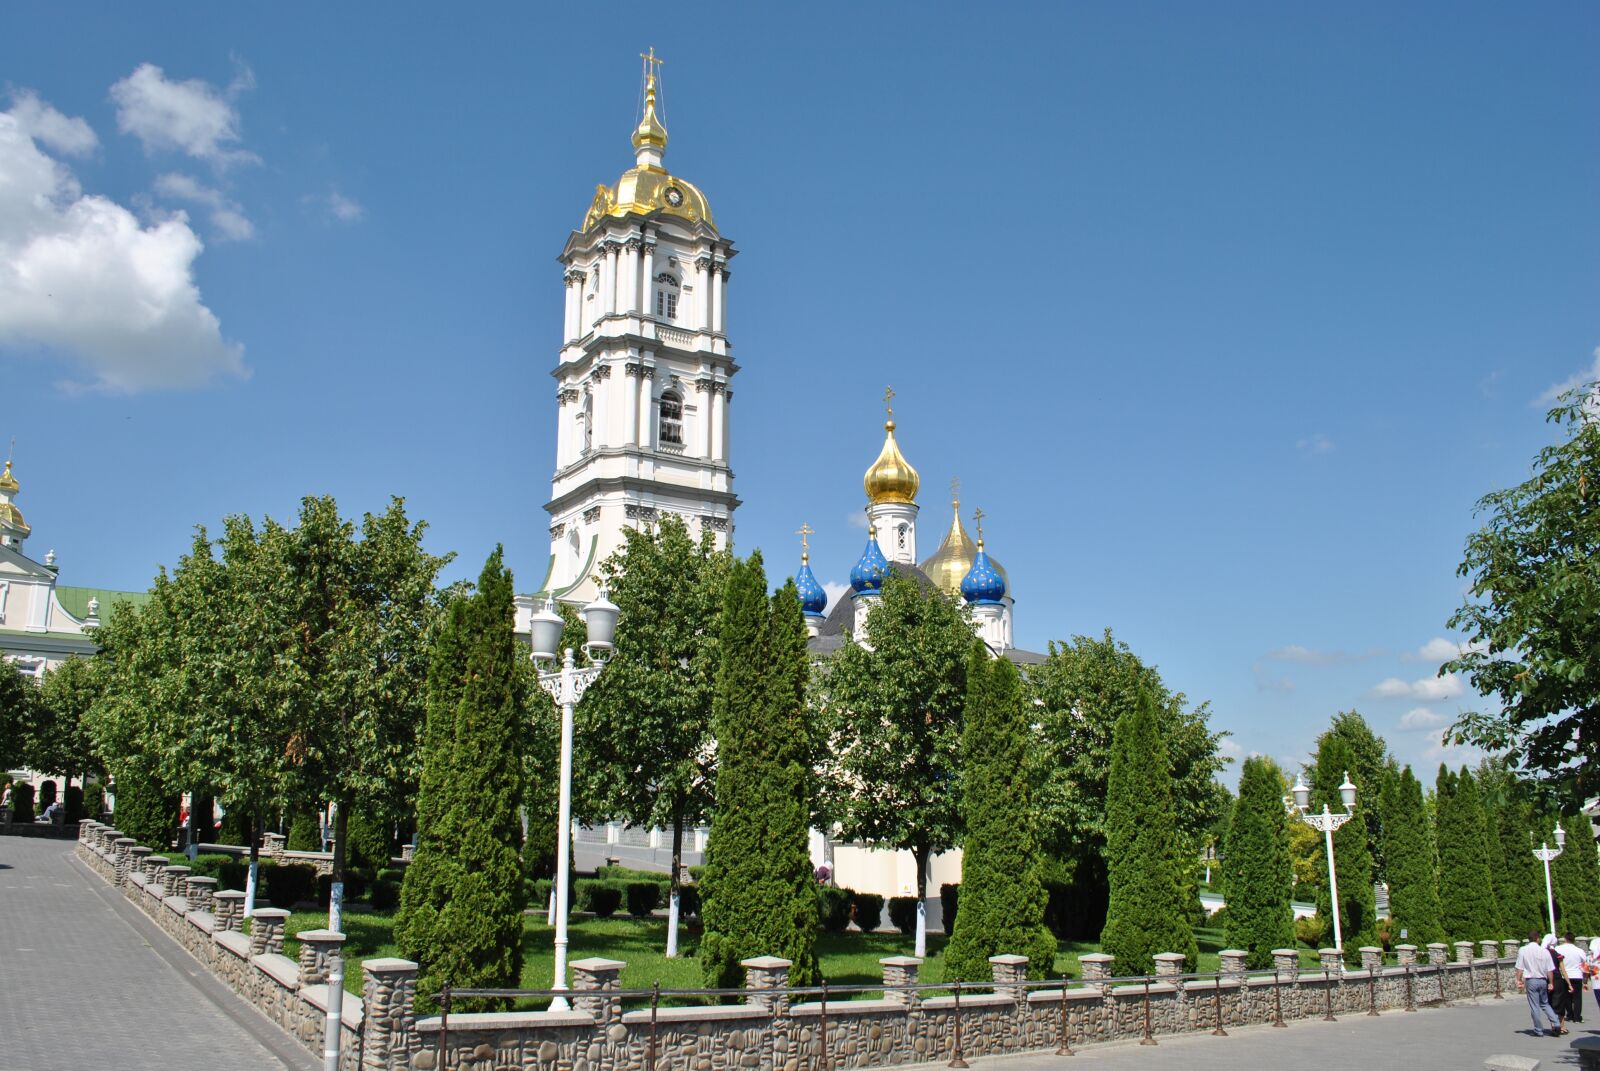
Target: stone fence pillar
{"points": [[227, 907], [1490, 949], [1096, 966], [1010, 973], [172, 879], [1233, 961], [1168, 964], [901, 971], [389, 1017], [1286, 961], [318, 948], [1438, 953], [1332, 960], [152, 868], [136, 857], [121, 858], [1406, 954], [594, 983], [266, 930], [765, 978], [1463, 951], [1371, 958], [1509, 948], [198, 890], [273, 844]]}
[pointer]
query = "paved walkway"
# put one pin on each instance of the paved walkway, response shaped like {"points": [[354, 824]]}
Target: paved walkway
{"points": [[86, 981], [1459, 1037]]}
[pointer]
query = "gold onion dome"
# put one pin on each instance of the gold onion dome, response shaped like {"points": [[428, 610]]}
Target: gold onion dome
{"points": [[10, 515], [891, 478], [647, 187], [8, 482], [948, 566]]}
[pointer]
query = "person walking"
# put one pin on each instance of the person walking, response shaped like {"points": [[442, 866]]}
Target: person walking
{"points": [[1534, 968], [1573, 962]]}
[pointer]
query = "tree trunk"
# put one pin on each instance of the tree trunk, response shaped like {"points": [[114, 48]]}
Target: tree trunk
{"points": [[341, 813], [672, 887], [921, 854], [252, 833]]}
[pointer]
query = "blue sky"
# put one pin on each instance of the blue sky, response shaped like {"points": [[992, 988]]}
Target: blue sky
{"points": [[1224, 314]]}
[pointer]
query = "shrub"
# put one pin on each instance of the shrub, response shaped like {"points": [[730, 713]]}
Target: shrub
{"points": [[355, 886], [47, 795], [74, 804], [600, 897], [370, 841], [384, 895], [235, 873], [305, 833], [22, 802], [623, 873], [286, 886], [689, 901], [209, 865], [949, 898], [643, 897], [396, 874], [1312, 930], [903, 913], [94, 800], [868, 910], [833, 908]]}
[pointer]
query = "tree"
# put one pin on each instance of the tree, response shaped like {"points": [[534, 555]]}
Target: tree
{"points": [[1518, 876], [893, 708], [60, 741], [17, 697], [1576, 874], [1078, 694], [758, 893], [1369, 769], [1408, 847], [644, 727], [1358, 912], [146, 810], [1260, 875], [1002, 899], [1532, 615], [1149, 909], [1466, 891]]}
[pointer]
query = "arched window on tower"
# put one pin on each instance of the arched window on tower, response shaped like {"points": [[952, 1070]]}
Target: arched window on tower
{"points": [[667, 296], [586, 417], [671, 432]]}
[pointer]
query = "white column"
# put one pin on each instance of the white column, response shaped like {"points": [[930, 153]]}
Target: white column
{"points": [[612, 259], [703, 390], [647, 289], [603, 398], [716, 299], [569, 329], [630, 384], [630, 274], [703, 275], [563, 432], [718, 424], [727, 425]]}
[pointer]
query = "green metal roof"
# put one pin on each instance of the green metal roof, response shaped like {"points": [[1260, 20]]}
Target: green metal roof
{"points": [[75, 601]]}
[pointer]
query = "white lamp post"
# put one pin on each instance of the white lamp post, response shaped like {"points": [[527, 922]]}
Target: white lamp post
{"points": [[1327, 821], [566, 686], [1544, 853]]}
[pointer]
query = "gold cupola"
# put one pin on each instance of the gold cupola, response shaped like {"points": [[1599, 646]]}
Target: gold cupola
{"points": [[647, 187], [10, 515], [950, 564], [891, 478]]}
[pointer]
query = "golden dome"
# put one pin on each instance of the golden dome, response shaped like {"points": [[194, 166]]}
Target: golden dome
{"points": [[950, 564], [8, 482], [891, 478]]}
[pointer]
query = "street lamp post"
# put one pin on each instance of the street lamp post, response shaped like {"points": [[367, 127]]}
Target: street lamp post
{"points": [[1327, 821], [566, 686], [1546, 854]]}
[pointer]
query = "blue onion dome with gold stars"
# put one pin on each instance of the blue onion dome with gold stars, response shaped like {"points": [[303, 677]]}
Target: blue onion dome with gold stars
{"points": [[813, 600], [867, 576], [983, 583]]}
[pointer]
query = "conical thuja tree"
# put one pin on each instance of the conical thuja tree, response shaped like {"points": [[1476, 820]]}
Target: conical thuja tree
{"points": [[1002, 899], [1518, 876], [1466, 892], [476, 932], [1352, 854], [1149, 906], [1408, 849], [1576, 876], [758, 892], [1260, 873]]}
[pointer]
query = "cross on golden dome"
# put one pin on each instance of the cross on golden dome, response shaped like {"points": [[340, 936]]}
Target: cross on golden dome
{"points": [[805, 545], [651, 62], [888, 401]]}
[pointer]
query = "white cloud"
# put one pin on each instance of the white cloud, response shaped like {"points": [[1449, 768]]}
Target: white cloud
{"points": [[190, 117], [1440, 650], [1428, 688], [835, 590], [82, 278], [1588, 375], [342, 208], [1306, 656], [227, 217], [1229, 749], [70, 137], [858, 520], [1421, 718], [1317, 443]]}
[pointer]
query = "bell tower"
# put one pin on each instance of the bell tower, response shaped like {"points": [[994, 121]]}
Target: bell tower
{"points": [[645, 368]]}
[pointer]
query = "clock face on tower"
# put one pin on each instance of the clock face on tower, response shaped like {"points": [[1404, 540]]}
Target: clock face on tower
{"points": [[674, 196]]}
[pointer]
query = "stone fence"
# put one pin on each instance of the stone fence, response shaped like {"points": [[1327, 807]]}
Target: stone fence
{"points": [[774, 1026]]}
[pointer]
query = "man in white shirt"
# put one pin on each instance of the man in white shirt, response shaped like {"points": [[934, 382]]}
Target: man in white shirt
{"points": [[1572, 960], [1534, 968]]}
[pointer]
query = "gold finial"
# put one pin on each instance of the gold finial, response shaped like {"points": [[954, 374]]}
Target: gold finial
{"points": [[8, 482], [888, 402], [872, 529], [977, 522], [805, 545], [651, 133]]}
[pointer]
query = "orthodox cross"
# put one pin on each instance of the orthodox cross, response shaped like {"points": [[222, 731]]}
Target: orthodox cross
{"points": [[651, 62], [977, 520], [805, 547], [955, 492], [888, 401]]}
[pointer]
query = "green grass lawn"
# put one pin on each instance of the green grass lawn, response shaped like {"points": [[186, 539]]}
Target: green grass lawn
{"points": [[847, 958]]}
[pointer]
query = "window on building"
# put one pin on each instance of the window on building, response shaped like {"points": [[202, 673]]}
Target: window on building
{"points": [[586, 418], [667, 296], [671, 419]]}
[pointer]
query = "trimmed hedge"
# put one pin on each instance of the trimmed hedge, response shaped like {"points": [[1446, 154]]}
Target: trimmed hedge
{"points": [[22, 802], [355, 887], [384, 895], [834, 908], [643, 897], [600, 897], [868, 910], [903, 913], [286, 886]]}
